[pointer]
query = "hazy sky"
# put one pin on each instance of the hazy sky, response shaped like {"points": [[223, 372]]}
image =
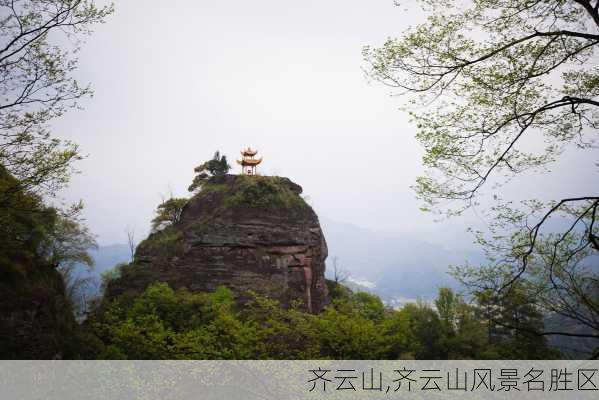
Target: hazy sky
{"points": [[174, 81]]}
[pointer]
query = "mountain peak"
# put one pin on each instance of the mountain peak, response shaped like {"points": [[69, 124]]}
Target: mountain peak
{"points": [[249, 233]]}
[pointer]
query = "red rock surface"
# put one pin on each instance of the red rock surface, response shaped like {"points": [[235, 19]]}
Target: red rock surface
{"points": [[249, 233]]}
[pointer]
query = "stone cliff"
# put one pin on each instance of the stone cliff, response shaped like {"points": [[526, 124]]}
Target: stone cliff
{"points": [[248, 233]]}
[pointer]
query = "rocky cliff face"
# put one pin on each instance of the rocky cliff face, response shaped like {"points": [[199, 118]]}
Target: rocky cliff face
{"points": [[36, 318], [249, 233]]}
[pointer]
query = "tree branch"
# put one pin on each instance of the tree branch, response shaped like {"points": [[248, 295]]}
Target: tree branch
{"points": [[593, 11], [533, 235]]}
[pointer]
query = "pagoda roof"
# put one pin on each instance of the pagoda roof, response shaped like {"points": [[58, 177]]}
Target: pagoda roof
{"points": [[249, 152], [249, 161]]}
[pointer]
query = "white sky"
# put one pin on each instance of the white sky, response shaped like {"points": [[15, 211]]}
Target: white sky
{"points": [[177, 80]]}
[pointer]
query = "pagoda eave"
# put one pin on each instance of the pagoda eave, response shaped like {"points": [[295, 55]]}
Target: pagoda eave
{"points": [[249, 163]]}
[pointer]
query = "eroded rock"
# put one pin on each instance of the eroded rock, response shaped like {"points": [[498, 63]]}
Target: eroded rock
{"points": [[249, 233]]}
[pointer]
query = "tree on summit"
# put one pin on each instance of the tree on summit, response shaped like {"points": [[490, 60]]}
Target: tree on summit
{"points": [[503, 87], [218, 166]]}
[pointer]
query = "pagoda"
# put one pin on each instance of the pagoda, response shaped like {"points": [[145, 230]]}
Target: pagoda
{"points": [[248, 162]]}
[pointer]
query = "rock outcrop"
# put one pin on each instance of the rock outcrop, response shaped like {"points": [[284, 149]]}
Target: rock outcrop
{"points": [[248, 233], [36, 316]]}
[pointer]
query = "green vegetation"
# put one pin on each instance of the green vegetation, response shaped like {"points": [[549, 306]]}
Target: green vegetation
{"points": [[247, 192], [498, 88], [162, 323], [220, 194], [38, 245], [40, 41], [217, 167], [165, 324], [166, 242], [212, 188], [251, 191], [34, 234], [112, 274], [168, 213], [265, 192]]}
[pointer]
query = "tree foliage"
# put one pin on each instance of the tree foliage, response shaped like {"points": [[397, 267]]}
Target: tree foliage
{"points": [[38, 244], [37, 85], [166, 324], [496, 78], [32, 233], [168, 213], [217, 166]]}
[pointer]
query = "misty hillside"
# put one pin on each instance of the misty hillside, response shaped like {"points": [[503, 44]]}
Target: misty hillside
{"points": [[396, 267], [105, 258]]}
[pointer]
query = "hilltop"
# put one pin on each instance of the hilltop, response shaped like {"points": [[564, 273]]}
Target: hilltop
{"points": [[247, 233]]}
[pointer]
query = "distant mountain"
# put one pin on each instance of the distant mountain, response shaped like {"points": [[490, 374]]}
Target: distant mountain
{"points": [[105, 258], [397, 267]]}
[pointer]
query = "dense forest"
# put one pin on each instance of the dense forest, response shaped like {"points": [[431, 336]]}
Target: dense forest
{"points": [[167, 324]]}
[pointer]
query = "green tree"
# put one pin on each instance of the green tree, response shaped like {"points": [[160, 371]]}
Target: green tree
{"points": [[165, 324], [345, 334], [37, 85], [463, 334], [168, 213], [513, 325], [24, 224], [399, 336], [31, 232], [426, 329], [494, 76], [38, 244], [285, 334], [216, 167], [69, 240], [111, 274], [447, 303], [470, 340]]}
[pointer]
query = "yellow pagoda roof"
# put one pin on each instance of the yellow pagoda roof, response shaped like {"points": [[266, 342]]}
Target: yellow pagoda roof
{"points": [[249, 161], [249, 152]]}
